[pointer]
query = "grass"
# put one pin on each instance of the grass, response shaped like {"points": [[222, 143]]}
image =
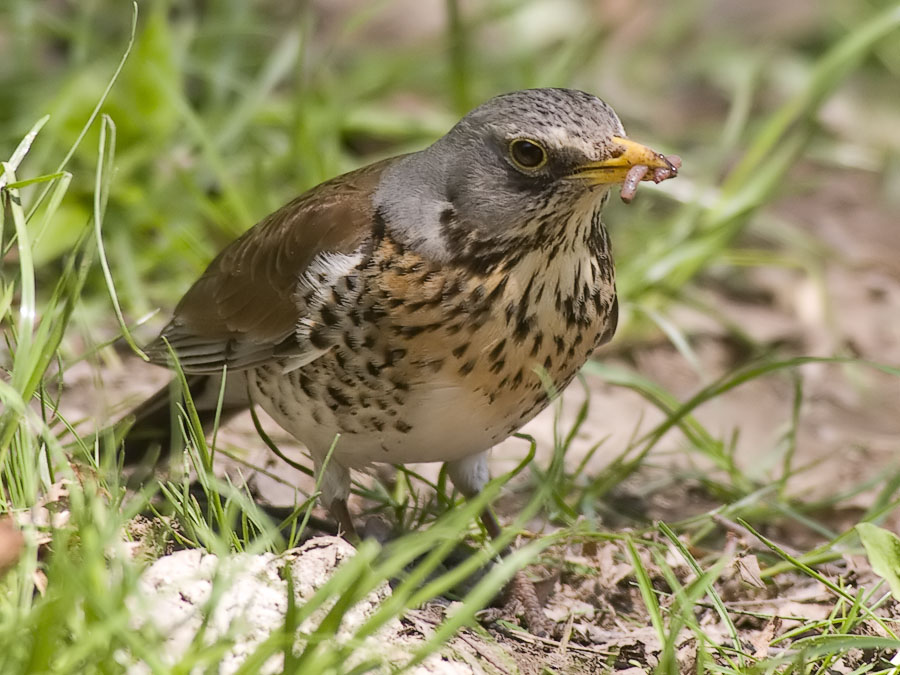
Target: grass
{"points": [[138, 146]]}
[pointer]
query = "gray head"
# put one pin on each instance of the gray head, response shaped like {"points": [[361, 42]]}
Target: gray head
{"points": [[512, 161]]}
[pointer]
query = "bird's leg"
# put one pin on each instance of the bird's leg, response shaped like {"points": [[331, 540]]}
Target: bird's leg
{"points": [[470, 475], [334, 485], [489, 520]]}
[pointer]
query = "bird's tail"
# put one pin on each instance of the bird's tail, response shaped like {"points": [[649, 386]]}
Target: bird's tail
{"points": [[154, 430]]}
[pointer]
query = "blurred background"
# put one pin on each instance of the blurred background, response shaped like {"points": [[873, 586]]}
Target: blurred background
{"points": [[780, 238]]}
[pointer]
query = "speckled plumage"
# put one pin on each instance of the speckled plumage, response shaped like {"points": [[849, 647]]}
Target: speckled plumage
{"points": [[427, 362], [414, 305]]}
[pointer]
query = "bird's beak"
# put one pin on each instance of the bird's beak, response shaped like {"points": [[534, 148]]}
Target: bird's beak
{"points": [[612, 171]]}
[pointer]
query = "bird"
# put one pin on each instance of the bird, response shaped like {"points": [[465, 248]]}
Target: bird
{"points": [[421, 308]]}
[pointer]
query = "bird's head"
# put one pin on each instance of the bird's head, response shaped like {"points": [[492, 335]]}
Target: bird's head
{"points": [[514, 161]]}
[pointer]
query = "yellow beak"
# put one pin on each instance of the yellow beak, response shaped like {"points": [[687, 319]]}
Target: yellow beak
{"points": [[613, 170]]}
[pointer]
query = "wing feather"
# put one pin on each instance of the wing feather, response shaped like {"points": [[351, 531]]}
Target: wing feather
{"points": [[244, 310]]}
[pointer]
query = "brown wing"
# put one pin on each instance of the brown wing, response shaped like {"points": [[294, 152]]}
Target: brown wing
{"points": [[244, 310]]}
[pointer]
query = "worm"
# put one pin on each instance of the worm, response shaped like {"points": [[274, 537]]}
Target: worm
{"points": [[634, 176], [639, 172], [663, 173]]}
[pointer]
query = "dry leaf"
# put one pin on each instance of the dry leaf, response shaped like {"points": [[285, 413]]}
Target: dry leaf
{"points": [[748, 569], [762, 639]]}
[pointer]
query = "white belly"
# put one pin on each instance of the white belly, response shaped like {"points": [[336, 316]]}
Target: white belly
{"points": [[438, 423]]}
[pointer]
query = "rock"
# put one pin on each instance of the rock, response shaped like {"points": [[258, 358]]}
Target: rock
{"points": [[248, 596]]}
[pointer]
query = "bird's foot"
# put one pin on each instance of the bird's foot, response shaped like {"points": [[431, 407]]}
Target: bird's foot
{"points": [[520, 597]]}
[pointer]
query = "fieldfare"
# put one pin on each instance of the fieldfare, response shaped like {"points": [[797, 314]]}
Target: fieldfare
{"points": [[418, 306]]}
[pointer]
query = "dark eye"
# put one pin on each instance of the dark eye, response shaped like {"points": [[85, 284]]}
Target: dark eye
{"points": [[526, 154]]}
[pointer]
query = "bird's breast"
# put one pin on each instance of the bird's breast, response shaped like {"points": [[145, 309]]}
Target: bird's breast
{"points": [[509, 336], [431, 362]]}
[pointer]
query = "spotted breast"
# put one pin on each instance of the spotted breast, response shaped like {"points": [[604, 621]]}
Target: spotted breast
{"points": [[423, 362]]}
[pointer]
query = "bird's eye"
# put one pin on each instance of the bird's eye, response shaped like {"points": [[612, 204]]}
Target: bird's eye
{"points": [[528, 155]]}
